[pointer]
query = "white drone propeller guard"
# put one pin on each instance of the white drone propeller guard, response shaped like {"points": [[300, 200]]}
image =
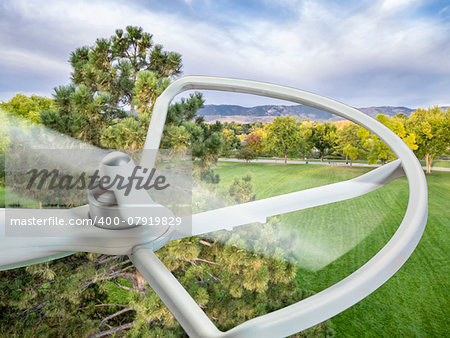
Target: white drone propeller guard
{"points": [[15, 252]]}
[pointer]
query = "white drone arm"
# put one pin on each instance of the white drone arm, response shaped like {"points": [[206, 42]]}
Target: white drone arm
{"points": [[257, 211], [338, 297]]}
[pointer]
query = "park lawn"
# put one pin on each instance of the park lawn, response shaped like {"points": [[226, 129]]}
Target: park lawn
{"points": [[438, 164], [15, 200], [415, 301]]}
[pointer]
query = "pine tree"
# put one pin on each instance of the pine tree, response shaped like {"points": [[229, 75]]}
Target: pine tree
{"points": [[233, 276], [105, 82]]}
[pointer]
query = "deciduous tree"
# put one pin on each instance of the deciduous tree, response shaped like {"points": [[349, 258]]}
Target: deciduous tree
{"points": [[27, 107], [230, 142], [323, 138], [254, 141], [348, 142], [376, 148], [283, 136], [246, 153], [431, 128]]}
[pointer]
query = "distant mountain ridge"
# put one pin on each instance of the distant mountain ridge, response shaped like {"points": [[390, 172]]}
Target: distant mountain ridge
{"points": [[267, 113]]}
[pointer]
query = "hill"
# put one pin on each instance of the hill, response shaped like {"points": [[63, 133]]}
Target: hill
{"points": [[267, 113]]}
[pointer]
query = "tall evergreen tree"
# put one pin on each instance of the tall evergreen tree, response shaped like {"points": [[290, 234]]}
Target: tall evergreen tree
{"points": [[112, 65], [105, 82]]}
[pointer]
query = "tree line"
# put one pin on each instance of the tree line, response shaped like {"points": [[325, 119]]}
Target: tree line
{"points": [[426, 132]]}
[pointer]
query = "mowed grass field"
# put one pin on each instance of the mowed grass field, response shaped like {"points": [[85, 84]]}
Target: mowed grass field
{"points": [[438, 163], [413, 303]]}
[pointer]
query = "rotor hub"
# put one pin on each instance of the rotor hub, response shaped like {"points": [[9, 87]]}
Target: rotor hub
{"points": [[115, 208]]}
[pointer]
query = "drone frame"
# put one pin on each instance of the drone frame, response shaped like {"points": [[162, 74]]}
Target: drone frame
{"points": [[298, 316]]}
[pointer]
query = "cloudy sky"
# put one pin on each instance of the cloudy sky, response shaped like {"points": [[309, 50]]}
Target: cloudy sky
{"points": [[364, 53]]}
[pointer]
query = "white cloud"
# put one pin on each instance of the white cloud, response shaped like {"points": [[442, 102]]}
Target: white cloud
{"points": [[346, 53], [35, 63], [396, 5]]}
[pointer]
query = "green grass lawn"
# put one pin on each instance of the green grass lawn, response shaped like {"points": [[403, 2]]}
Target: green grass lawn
{"points": [[15, 199], [438, 163], [415, 302]]}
